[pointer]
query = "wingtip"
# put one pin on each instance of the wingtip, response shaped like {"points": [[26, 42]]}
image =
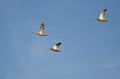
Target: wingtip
{"points": [[42, 23], [59, 43], [105, 9]]}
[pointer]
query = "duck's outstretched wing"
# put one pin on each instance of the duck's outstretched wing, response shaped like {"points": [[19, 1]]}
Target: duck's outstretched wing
{"points": [[42, 27], [56, 46], [102, 14]]}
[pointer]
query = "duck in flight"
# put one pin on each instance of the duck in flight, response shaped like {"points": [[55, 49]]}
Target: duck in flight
{"points": [[101, 17], [55, 48], [41, 31]]}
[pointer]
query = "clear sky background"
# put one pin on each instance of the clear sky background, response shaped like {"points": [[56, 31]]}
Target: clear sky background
{"points": [[90, 49]]}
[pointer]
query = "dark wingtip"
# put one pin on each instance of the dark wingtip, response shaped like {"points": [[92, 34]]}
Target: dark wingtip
{"points": [[42, 23], [59, 43], [105, 9]]}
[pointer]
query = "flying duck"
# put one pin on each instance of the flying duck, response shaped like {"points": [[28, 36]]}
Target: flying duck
{"points": [[55, 48], [41, 31], [101, 17]]}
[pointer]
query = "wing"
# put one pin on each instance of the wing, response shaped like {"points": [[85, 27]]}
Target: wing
{"points": [[102, 14], [56, 46], [42, 27]]}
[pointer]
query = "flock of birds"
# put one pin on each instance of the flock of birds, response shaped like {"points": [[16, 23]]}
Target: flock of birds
{"points": [[41, 32], [55, 47]]}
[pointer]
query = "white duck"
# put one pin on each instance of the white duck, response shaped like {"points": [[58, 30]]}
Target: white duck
{"points": [[55, 48], [41, 32], [101, 17]]}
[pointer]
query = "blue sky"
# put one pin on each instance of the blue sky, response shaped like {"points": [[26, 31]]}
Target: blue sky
{"points": [[89, 50]]}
